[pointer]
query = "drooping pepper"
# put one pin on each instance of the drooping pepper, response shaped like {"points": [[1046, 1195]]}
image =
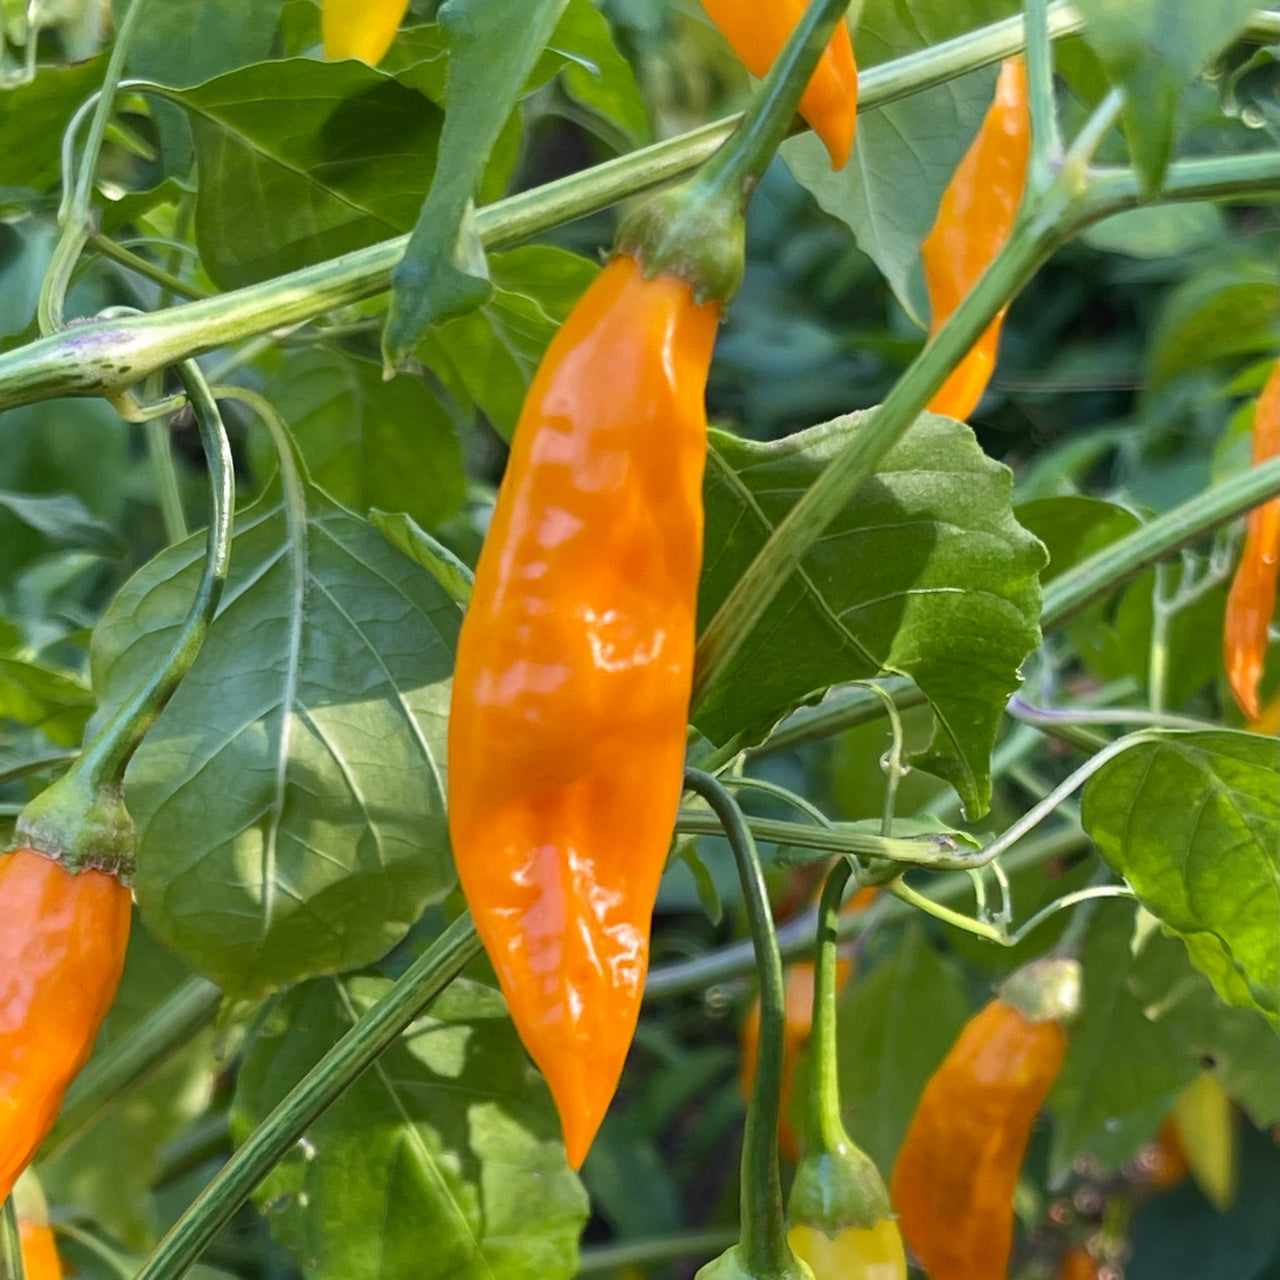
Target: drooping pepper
{"points": [[1251, 602], [840, 1221], [574, 666], [64, 896], [955, 1175], [757, 29], [361, 29], [799, 979], [974, 220]]}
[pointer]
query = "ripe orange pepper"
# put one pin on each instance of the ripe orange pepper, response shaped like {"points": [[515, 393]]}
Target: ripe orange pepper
{"points": [[1251, 601], [62, 943], [574, 668], [799, 1023], [1168, 1163], [757, 31], [361, 29], [974, 220], [955, 1175], [40, 1259]]}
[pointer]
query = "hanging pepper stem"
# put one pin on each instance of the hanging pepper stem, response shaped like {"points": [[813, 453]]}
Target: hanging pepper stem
{"points": [[824, 1127], [763, 1246], [81, 819]]}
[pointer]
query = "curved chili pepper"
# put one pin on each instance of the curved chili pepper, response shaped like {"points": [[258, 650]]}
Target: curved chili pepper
{"points": [[1251, 602], [40, 1259], [1166, 1163], [361, 29], [575, 661], [799, 1022], [757, 30], [955, 1175], [62, 943], [974, 220]]}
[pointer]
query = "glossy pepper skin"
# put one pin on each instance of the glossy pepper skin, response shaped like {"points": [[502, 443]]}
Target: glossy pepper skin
{"points": [[361, 29], [756, 31], [1251, 602], [62, 943], [974, 220], [955, 1175], [571, 690]]}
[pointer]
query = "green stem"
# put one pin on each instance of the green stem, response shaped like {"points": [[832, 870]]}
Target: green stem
{"points": [[74, 215], [412, 993], [1046, 139], [613, 1258], [1101, 573], [109, 1076], [795, 937], [763, 1240], [846, 709], [82, 816], [135, 262], [824, 1127], [11, 1266], [936, 850]]}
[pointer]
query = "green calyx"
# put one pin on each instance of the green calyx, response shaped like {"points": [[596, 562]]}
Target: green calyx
{"points": [[1045, 990], [837, 1189], [83, 826], [686, 233], [732, 1265]]}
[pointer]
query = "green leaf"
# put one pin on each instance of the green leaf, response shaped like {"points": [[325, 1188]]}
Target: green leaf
{"points": [[60, 517], [443, 272], [367, 442], [289, 801], [1192, 821], [33, 117], [42, 697], [183, 44], [906, 151], [896, 1026], [1237, 1045], [445, 567], [1218, 315], [302, 160], [1153, 49], [109, 1171], [490, 356], [442, 1160], [1159, 231], [1122, 1071], [926, 573]]}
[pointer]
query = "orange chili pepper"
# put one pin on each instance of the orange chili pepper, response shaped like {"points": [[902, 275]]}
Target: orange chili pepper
{"points": [[574, 667], [974, 220], [62, 943], [361, 29], [799, 1023], [1167, 1162], [757, 29], [1251, 601], [957, 1170], [1077, 1264], [40, 1259]]}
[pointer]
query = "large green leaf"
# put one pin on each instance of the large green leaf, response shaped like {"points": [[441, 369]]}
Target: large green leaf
{"points": [[1192, 821], [302, 160], [290, 800], [1153, 48], [370, 443], [443, 1160], [905, 152], [443, 272], [896, 1026], [925, 573], [33, 117], [182, 44], [45, 698], [1122, 1071]]}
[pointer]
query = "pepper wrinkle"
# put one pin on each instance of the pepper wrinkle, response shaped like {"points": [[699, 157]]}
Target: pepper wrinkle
{"points": [[571, 690]]}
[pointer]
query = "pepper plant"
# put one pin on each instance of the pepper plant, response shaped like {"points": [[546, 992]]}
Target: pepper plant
{"points": [[966, 598]]}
